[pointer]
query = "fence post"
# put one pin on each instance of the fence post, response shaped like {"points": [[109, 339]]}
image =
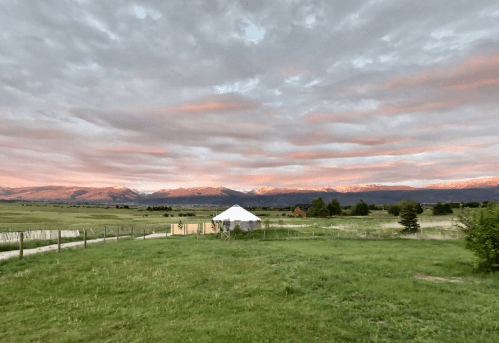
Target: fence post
{"points": [[144, 234], [313, 233], [118, 234], [105, 233], [59, 240], [84, 239], [288, 233], [131, 233], [21, 245]]}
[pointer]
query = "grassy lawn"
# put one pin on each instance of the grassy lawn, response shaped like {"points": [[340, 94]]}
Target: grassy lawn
{"points": [[184, 289]]}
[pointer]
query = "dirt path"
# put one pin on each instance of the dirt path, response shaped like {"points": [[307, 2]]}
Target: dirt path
{"points": [[15, 253]]}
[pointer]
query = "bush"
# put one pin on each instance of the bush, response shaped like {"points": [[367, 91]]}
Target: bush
{"points": [[237, 229], [482, 236], [440, 209], [394, 210], [360, 209]]}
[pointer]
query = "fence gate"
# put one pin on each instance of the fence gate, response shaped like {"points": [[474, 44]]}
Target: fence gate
{"points": [[225, 235]]}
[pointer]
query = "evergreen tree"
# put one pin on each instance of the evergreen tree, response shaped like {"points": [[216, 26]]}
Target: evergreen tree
{"points": [[408, 218]]}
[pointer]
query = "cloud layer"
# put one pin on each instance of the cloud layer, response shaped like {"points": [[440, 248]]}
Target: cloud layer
{"points": [[167, 94]]}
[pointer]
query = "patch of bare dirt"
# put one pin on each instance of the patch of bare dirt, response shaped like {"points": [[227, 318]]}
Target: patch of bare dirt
{"points": [[443, 223], [438, 279]]}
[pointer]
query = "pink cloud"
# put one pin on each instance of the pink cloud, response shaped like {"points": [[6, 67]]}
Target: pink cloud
{"points": [[322, 137], [131, 150], [452, 148], [224, 104], [386, 110], [416, 107], [473, 73]]}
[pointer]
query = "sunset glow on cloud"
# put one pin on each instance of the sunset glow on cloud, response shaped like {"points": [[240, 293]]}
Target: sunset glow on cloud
{"points": [[164, 94]]}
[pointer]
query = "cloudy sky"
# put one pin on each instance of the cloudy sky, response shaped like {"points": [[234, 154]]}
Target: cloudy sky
{"points": [[168, 94]]}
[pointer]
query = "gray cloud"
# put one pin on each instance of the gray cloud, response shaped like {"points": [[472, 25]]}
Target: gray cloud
{"points": [[122, 93]]}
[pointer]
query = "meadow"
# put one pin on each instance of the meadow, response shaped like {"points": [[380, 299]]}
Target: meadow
{"points": [[339, 279], [35, 216], [188, 289]]}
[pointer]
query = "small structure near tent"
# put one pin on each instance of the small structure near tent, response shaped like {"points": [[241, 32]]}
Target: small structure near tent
{"points": [[238, 215], [302, 209]]}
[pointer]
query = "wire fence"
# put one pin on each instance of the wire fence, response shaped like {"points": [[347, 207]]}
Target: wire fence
{"points": [[283, 233], [20, 240]]}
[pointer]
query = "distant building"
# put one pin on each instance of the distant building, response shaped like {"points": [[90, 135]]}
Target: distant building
{"points": [[238, 215], [301, 209]]}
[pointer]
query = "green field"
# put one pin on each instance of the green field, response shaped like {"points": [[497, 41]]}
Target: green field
{"points": [[34, 216], [137, 221], [184, 289]]}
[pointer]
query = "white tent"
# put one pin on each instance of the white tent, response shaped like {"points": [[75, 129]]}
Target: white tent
{"points": [[238, 215]]}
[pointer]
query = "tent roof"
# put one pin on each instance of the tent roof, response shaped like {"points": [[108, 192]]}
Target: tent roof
{"points": [[236, 212]]}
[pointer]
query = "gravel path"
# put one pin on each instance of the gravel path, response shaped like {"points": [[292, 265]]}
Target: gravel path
{"points": [[15, 253]]}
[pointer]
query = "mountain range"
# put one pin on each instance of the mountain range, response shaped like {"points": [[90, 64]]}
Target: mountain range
{"points": [[459, 191]]}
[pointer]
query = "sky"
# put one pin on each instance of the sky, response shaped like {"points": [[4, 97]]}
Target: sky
{"points": [[165, 94]]}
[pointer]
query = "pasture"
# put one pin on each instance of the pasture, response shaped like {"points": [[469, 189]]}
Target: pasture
{"points": [[337, 279], [34, 216], [183, 289]]}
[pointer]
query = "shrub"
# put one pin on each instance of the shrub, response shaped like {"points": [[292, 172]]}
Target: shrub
{"points": [[440, 209], [482, 236], [237, 229], [360, 209], [394, 210]]}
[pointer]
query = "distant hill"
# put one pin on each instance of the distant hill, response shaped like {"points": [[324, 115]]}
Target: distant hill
{"points": [[460, 191], [70, 194]]}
